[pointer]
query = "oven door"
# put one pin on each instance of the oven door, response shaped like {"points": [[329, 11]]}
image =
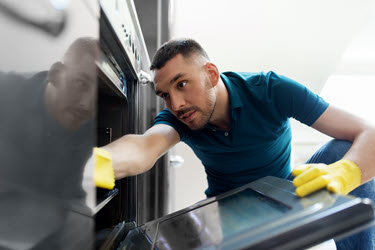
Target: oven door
{"points": [[48, 87]]}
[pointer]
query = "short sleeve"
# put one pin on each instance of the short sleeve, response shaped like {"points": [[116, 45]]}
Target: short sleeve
{"points": [[166, 117], [293, 99]]}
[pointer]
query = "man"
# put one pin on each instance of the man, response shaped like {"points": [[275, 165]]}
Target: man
{"points": [[238, 125], [46, 136]]}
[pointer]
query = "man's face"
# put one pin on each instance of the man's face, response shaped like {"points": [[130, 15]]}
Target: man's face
{"points": [[186, 88], [77, 91]]}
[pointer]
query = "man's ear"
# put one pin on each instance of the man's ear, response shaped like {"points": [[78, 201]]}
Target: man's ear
{"points": [[54, 73], [213, 73]]}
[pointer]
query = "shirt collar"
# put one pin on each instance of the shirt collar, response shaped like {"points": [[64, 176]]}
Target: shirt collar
{"points": [[234, 99]]}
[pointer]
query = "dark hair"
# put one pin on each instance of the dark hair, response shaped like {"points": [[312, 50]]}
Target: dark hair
{"points": [[82, 46], [170, 49]]}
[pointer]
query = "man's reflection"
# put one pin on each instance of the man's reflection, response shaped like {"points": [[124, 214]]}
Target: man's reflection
{"points": [[70, 92], [46, 136]]}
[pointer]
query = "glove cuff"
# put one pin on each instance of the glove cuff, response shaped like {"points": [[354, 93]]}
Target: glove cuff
{"points": [[104, 176], [355, 175]]}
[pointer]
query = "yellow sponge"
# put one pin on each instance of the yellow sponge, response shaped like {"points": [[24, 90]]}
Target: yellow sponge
{"points": [[104, 176]]}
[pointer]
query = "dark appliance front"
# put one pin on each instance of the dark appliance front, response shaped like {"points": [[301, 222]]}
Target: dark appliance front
{"points": [[126, 105]]}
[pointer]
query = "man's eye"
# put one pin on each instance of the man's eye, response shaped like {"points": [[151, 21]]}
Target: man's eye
{"points": [[181, 84], [80, 84]]}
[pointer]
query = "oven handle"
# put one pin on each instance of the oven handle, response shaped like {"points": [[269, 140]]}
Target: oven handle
{"points": [[144, 77]]}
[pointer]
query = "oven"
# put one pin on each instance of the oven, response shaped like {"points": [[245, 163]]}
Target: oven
{"points": [[73, 75], [126, 104]]}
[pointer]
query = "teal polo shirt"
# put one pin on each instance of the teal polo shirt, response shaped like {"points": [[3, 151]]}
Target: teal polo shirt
{"points": [[258, 143]]}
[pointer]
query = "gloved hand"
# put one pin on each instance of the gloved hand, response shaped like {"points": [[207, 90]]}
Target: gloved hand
{"points": [[104, 176], [340, 177]]}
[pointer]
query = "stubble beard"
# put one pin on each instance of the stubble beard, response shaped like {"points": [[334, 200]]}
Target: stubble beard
{"points": [[206, 115]]}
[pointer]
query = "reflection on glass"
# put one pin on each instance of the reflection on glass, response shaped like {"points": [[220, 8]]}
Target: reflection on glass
{"points": [[46, 137], [210, 225], [45, 15]]}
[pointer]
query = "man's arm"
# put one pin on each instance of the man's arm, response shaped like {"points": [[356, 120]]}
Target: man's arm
{"points": [[135, 154], [345, 126], [354, 169]]}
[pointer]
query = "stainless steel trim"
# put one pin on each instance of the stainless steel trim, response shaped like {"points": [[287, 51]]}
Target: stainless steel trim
{"points": [[105, 67]]}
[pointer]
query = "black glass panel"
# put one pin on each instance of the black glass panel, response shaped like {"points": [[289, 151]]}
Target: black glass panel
{"points": [[218, 221]]}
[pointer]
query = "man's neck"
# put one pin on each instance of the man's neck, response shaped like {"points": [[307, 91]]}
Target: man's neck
{"points": [[221, 117]]}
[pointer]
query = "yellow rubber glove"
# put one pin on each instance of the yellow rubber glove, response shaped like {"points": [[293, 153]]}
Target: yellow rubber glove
{"points": [[104, 177], [340, 177]]}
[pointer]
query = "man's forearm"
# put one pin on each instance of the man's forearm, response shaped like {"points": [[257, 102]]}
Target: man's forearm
{"points": [[135, 154], [362, 153], [129, 156]]}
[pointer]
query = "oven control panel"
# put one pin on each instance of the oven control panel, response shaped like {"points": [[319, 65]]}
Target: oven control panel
{"points": [[124, 21]]}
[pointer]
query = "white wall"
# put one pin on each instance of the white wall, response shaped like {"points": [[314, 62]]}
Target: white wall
{"points": [[302, 39]]}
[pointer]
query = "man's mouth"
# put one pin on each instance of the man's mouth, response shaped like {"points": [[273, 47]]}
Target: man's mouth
{"points": [[80, 114], [187, 117]]}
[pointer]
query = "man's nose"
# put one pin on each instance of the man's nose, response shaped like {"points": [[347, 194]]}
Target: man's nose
{"points": [[87, 101], [177, 102]]}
